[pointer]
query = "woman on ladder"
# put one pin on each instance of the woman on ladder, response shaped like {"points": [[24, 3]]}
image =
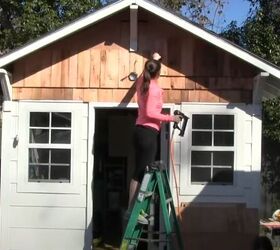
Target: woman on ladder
{"points": [[148, 123]]}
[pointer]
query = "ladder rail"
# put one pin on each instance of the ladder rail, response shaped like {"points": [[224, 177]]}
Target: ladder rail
{"points": [[155, 180]]}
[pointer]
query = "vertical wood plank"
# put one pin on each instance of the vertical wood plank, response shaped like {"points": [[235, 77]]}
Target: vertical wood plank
{"points": [[46, 68], [136, 63], [178, 82], [94, 67], [112, 67], [124, 56], [65, 68], [103, 61], [56, 68], [73, 70], [90, 95], [32, 70], [83, 68], [18, 73], [174, 57], [165, 82], [105, 95], [16, 93], [187, 55], [160, 46]]}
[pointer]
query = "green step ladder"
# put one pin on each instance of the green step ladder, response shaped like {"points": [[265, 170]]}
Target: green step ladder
{"points": [[155, 180]]}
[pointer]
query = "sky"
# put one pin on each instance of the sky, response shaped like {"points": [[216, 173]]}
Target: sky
{"points": [[233, 10], [236, 10]]}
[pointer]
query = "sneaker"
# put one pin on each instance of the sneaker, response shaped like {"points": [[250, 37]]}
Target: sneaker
{"points": [[142, 220], [96, 242], [143, 213], [148, 194]]}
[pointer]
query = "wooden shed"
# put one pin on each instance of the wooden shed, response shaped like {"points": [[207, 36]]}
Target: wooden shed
{"points": [[68, 114]]}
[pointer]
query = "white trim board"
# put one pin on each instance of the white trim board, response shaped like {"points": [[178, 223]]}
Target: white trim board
{"points": [[156, 10]]}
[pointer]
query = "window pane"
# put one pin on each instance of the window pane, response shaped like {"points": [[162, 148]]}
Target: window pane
{"points": [[61, 119], [61, 156], [201, 158], [223, 158], [201, 138], [223, 175], [38, 172], [39, 136], [39, 119], [200, 174], [61, 136], [60, 172], [202, 121], [223, 139], [223, 122], [37, 155]]}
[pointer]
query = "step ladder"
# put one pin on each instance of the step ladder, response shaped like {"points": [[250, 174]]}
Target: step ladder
{"points": [[155, 181]]}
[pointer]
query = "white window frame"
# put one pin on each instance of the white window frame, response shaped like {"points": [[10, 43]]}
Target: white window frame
{"points": [[24, 185], [186, 187]]}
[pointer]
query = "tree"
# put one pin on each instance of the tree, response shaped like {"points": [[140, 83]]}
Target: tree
{"points": [[22, 21], [261, 32], [271, 143], [206, 13]]}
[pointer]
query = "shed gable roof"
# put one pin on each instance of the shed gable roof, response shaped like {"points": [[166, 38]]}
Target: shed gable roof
{"points": [[166, 15]]}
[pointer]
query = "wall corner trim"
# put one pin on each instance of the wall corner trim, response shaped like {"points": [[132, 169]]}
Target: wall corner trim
{"points": [[133, 27], [6, 85]]}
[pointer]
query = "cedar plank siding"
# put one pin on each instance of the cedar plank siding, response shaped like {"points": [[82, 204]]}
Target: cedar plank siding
{"points": [[93, 65]]}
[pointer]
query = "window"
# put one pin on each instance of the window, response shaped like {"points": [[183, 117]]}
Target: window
{"points": [[212, 149], [49, 147]]}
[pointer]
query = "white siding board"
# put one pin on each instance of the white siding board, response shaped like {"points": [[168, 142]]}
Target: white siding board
{"points": [[47, 199], [248, 129], [13, 171], [45, 239], [47, 217], [248, 154], [83, 166]]}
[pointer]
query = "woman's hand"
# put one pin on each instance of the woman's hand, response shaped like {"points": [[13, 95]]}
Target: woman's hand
{"points": [[156, 56], [177, 118]]}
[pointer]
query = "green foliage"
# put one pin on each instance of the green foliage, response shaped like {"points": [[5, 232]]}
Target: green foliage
{"points": [[261, 31], [270, 147], [270, 166], [22, 21], [271, 119]]}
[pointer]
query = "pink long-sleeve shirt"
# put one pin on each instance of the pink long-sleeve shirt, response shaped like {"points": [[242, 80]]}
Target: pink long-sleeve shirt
{"points": [[150, 106]]}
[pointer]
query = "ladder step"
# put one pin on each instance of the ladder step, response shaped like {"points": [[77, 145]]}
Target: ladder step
{"points": [[168, 200], [156, 232], [149, 240]]}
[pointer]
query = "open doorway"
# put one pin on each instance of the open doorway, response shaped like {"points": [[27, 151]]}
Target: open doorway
{"points": [[113, 168]]}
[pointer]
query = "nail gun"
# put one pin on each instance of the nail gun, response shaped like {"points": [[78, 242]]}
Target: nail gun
{"points": [[184, 124]]}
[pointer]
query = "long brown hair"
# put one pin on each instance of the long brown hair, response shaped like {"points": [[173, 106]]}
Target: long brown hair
{"points": [[151, 70]]}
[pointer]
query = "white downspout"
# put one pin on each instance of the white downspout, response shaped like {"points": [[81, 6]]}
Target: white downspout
{"points": [[5, 85]]}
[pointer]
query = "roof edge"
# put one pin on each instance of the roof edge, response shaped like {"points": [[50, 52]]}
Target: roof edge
{"points": [[5, 85], [64, 31], [207, 36]]}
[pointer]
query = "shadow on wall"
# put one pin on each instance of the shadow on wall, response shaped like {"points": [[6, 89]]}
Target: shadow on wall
{"points": [[223, 221]]}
